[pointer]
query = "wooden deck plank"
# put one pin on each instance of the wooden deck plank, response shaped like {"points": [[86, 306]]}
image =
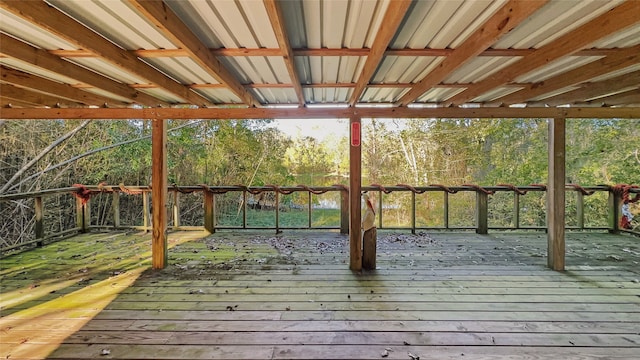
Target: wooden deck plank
{"points": [[583, 327], [368, 315], [170, 299], [315, 305], [382, 338], [329, 352]]}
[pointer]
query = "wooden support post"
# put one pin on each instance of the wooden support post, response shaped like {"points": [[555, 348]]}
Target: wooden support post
{"points": [[209, 212], [614, 203], [355, 178], [369, 244], [482, 212], [116, 209], [344, 212], [145, 211], [159, 193], [556, 195], [39, 227], [176, 210]]}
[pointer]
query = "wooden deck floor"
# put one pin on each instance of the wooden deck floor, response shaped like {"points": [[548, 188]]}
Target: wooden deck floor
{"points": [[258, 296]]}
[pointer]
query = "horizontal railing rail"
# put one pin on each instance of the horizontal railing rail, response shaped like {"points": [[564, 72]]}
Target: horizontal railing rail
{"points": [[409, 212]]}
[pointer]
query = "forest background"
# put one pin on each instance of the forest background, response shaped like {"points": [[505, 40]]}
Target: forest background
{"points": [[37, 155]]}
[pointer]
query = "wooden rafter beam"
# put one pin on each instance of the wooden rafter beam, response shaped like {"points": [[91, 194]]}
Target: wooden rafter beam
{"points": [[17, 93], [59, 24], [616, 19], [321, 113], [54, 88], [598, 89], [505, 19], [623, 98], [392, 19], [277, 23], [332, 86], [41, 58], [620, 60], [155, 53], [163, 18]]}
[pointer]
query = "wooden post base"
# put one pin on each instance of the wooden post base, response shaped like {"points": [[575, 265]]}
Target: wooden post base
{"points": [[369, 243]]}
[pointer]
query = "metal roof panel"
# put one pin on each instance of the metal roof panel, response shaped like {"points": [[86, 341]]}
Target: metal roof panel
{"points": [[107, 69], [27, 32], [556, 67], [555, 19], [117, 21], [183, 69]]}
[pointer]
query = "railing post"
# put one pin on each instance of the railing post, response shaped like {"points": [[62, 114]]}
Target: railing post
{"points": [[580, 210], [344, 211], [244, 209], [516, 210], [145, 210], [380, 209], [39, 227], [446, 209], [278, 231], [482, 212], [176, 209], [83, 215], [116, 209], [413, 212], [209, 212], [309, 210], [614, 211]]}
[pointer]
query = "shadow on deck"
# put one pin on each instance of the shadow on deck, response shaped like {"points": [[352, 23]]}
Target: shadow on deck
{"points": [[258, 296]]}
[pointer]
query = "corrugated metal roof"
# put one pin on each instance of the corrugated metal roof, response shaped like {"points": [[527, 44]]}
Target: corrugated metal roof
{"points": [[238, 47]]}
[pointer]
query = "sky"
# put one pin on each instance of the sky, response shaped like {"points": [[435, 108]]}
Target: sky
{"points": [[317, 128]]}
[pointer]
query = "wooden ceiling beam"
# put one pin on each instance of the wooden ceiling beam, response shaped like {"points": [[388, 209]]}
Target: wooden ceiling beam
{"points": [[277, 23], [42, 59], [165, 20], [322, 113], [393, 17], [49, 87], [620, 60], [57, 23], [17, 93], [509, 16], [593, 90], [616, 19]]}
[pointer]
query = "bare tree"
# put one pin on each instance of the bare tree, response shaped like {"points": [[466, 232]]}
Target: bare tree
{"points": [[44, 152]]}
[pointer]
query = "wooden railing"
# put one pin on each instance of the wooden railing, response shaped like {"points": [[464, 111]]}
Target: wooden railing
{"points": [[481, 217]]}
